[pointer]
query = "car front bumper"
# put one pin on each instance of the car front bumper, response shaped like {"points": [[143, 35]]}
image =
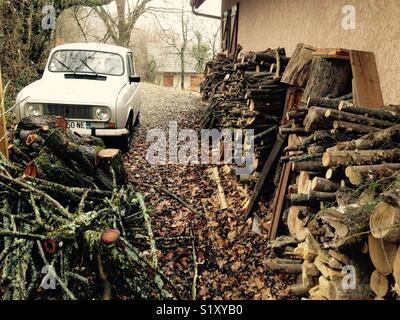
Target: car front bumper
{"points": [[102, 132]]}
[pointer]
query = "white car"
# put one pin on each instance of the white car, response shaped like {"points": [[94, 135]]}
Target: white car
{"points": [[93, 86]]}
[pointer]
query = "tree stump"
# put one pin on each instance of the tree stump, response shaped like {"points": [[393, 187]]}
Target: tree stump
{"points": [[110, 160]]}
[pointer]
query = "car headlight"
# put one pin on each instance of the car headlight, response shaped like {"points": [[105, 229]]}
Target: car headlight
{"points": [[34, 110], [102, 114]]}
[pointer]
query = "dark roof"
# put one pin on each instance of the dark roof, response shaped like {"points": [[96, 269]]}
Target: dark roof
{"points": [[196, 3]]}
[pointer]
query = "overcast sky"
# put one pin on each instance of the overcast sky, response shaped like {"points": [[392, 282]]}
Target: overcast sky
{"points": [[207, 25], [210, 6]]}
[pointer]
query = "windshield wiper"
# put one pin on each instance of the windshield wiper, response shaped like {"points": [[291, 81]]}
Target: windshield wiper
{"points": [[65, 66], [89, 67]]}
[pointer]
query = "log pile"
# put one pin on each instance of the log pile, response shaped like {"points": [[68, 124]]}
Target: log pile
{"points": [[339, 174], [342, 203], [66, 216], [246, 93], [345, 205]]}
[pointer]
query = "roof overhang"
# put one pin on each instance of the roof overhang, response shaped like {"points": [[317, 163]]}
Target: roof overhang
{"points": [[196, 3]]}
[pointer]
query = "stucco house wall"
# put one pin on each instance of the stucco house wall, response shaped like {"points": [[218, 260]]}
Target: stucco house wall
{"points": [[285, 23]]}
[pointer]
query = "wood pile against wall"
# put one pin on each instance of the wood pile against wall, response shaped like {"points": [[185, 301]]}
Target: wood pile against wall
{"points": [[336, 203], [246, 93], [342, 204]]}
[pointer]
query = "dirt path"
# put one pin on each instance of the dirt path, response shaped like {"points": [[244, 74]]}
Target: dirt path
{"points": [[230, 257]]}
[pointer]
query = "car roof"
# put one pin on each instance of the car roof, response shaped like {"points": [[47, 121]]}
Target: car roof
{"points": [[93, 46]]}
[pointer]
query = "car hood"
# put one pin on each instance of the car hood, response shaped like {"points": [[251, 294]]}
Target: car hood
{"points": [[73, 91]]}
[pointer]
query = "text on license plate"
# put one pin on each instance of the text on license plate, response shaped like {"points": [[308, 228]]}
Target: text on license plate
{"points": [[79, 125]]}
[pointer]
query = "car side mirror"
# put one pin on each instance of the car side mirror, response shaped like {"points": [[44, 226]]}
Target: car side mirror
{"points": [[134, 79], [40, 72]]}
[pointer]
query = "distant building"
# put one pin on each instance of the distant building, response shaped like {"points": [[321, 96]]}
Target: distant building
{"points": [[168, 67]]}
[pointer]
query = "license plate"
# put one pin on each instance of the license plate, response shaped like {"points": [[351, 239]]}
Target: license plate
{"points": [[79, 125]]}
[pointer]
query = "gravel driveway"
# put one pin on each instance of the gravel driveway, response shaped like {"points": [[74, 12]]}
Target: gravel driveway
{"points": [[207, 253]]}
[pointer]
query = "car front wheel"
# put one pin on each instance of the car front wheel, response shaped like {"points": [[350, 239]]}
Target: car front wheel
{"points": [[125, 140]]}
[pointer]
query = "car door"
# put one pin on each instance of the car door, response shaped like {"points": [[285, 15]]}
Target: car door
{"points": [[134, 87]]}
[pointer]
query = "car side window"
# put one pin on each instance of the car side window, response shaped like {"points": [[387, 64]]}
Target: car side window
{"points": [[131, 69]]}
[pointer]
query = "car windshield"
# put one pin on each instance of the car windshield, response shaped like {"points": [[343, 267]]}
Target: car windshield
{"points": [[87, 61]]}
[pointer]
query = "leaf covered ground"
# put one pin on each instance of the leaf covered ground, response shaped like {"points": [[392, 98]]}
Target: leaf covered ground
{"points": [[230, 257]]}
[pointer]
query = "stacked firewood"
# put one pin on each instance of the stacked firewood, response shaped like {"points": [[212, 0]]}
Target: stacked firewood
{"points": [[67, 215], [339, 180], [246, 93], [334, 160], [342, 203]]}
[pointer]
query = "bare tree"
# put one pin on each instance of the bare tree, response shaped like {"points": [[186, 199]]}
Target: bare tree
{"points": [[213, 40], [120, 28], [178, 38]]}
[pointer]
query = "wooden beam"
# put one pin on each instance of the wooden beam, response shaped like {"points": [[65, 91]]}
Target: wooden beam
{"points": [[273, 156], [279, 200], [3, 126], [366, 86]]}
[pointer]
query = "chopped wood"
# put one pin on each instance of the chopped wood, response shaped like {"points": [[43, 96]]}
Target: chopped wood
{"points": [[396, 271], [359, 157], [382, 254], [387, 114], [371, 140], [328, 77], [221, 194], [295, 222], [332, 114], [379, 284], [298, 68], [353, 127], [324, 185], [283, 268], [357, 174], [385, 222]]}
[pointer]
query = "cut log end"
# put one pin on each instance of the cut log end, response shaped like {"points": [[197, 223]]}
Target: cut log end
{"points": [[385, 222], [382, 255], [379, 284], [108, 153]]}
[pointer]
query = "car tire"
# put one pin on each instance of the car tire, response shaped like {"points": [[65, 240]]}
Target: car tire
{"points": [[137, 121], [125, 140]]}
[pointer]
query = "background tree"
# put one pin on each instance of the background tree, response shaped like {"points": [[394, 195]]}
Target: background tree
{"points": [[201, 52], [120, 27], [178, 35], [213, 39]]}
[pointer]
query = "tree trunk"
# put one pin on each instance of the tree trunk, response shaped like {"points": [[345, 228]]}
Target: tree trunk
{"points": [[58, 143], [315, 119], [51, 168], [328, 77]]}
